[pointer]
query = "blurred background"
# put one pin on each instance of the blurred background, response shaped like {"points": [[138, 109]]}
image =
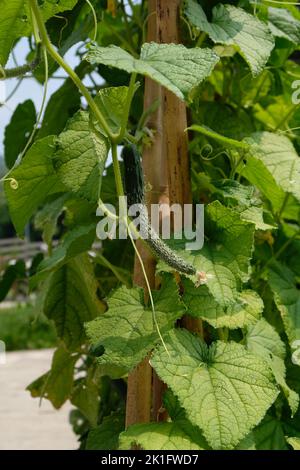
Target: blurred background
{"points": [[25, 333]]}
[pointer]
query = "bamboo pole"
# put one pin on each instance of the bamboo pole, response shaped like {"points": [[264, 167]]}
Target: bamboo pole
{"points": [[174, 123], [139, 387], [166, 171]]}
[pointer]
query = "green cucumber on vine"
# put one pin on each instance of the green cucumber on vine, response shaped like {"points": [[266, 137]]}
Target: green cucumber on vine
{"points": [[134, 189]]}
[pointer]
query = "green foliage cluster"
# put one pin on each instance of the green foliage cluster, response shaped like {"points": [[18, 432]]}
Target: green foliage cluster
{"points": [[23, 328], [236, 388]]}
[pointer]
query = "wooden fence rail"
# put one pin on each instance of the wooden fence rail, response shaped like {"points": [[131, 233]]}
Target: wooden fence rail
{"points": [[17, 249], [12, 249]]}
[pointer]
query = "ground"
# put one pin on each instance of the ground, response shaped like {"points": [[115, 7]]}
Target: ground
{"points": [[25, 425]]}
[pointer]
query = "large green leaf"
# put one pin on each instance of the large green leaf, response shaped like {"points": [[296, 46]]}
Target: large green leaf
{"points": [[283, 24], [111, 101], [225, 255], [13, 24], [50, 8], [106, 435], [287, 299], [35, 179], [217, 386], [269, 435], [234, 123], [15, 20], [56, 385], [77, 241], [263, 340], [85, 396], [178, 435], [18, 131], [244, 201], [61, 106], [80, 157], [246, 309], [294, 442], [235, 27], [273, 166], [47, 217], [172, 65], [71, 300], [12, 273], [127, 332]]}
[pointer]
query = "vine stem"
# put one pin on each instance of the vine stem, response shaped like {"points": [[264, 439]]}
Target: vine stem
{"points": [[276, 255], [104, 261], [114, 138], [39, 116], [117, 171], [285, 201], [201, 39], [285, 119], [130, 93], [57, 57], [221, 138], [132, 231], [95, 19], [148, 289]]}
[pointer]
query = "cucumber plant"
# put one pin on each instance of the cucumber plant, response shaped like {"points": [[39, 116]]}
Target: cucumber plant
{"points": [[232, 383]]}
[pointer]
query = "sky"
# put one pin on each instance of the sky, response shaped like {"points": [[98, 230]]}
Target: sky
{"points": [[29, 87]]}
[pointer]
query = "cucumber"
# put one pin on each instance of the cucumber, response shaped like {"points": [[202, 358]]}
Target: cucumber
{"points": [[134, 188]]}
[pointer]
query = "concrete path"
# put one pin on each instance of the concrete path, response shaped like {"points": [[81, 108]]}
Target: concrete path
{"points": [[23, 424]]}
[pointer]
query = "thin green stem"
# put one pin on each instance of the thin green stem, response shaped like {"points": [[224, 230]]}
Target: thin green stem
{"points": [[118, 176], [130, 93], [221, 138], [39, 117], [35, 28], [106, 211], [285, 118], [130, 138], [94, 18], [236, 165], [104, 262], [259, 89], [279, 252], [131, 229], [14, 90], [285, 201], [148, 289], [123, 40], [201, 39], [56, 56], [127, 26], [281, 3], [223, 334], [136, 18]]}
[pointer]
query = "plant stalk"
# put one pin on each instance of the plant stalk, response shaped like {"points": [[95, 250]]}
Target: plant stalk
{"points": [[57, 57]]}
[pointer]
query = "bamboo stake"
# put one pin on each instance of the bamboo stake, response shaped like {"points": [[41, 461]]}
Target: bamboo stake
{"points": [[139, 387], [166, 171]]}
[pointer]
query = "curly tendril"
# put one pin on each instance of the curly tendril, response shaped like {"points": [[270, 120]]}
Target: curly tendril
{"points": [[12, 181]]}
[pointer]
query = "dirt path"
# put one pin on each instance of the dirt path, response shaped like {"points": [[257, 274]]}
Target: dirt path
{"points": [[23, 425]]}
